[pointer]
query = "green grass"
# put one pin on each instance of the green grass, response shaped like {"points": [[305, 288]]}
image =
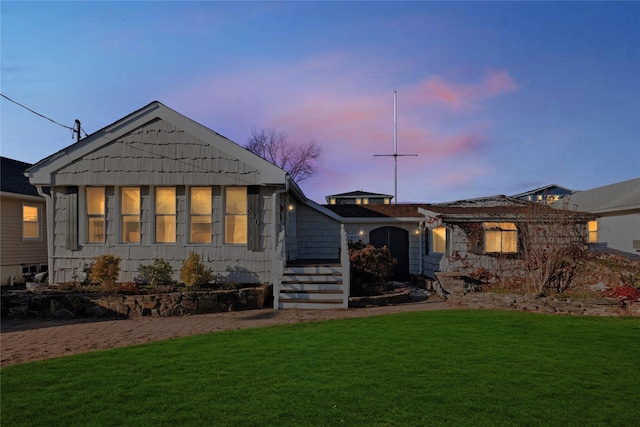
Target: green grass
{"points": [[479, 368]]}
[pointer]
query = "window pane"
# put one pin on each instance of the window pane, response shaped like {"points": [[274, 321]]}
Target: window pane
{"points": [[165, 229], [30, 230], [96, 230], [235, 229], [166, 200], [201, 229], [201, 201], [131, 229], [236, 203], [131, 200], [509, 241], [492, 241], [95, 200], [439, 240], [30, 213]]}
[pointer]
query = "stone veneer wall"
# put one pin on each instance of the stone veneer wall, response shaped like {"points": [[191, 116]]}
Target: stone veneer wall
{"points": [[25, 305], [454, 288]]}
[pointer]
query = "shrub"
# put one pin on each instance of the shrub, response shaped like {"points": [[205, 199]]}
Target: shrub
{"points": [[157, 274], [373, 263], [194, 272], [105, 270]]}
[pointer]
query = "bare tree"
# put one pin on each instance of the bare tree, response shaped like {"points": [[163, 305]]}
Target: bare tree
{"points": [[302, 161]]}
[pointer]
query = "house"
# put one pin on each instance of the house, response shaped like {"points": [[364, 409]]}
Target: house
{"points": [[359, 198], [23, 242], [547, 194], [156, 184], [618, 208], [430, 238]]}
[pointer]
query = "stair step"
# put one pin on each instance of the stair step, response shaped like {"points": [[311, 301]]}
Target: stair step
{"points": [[307, 269], [310, 287], [310, 296], [312, 304]]}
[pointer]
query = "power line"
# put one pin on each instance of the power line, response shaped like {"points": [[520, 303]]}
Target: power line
{"points": [[35, 112]]}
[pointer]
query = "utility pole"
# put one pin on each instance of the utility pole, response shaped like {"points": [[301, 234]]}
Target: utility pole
{"points": [[76, 130], [395, 154]]}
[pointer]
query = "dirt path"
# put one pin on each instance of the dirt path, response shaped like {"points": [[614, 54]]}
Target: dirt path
{"points": [[26, 340]]}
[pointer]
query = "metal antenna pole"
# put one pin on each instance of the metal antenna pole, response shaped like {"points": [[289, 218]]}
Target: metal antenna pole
{"points": [[395, 154]]}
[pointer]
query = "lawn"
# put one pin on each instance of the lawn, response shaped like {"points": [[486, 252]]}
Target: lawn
{"points": [[462, 367]]}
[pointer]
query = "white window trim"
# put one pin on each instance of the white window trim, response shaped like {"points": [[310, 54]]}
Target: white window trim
{"points": [[155, 214], [224, 216], [190, 215], [86, 216], [484, 240], [121, 215], [22, 221]]}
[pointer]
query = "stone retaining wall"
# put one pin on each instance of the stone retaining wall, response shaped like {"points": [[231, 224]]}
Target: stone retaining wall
{"points": [[26, 304], [458, 291]]}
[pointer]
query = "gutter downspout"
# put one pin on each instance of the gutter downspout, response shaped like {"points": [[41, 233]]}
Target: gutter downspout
{"points": [[277, 264], [49, 211], [421, 231]]}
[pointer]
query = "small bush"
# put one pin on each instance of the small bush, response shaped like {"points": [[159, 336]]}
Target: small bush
{"points": [[157, 274], [373, 263], [194, 272], [105, 270]]}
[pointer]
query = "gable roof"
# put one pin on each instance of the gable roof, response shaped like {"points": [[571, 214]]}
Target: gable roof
{"points": [[543, 190], [359, 193], [12, 179], [408, 210], [41, 172], [620, 196], [480, 209]]}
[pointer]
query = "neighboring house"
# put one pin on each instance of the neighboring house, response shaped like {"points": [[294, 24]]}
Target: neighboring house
{"points": [[547, 194], [23, 242], [359, 198], [156, 184], [618, 209]]}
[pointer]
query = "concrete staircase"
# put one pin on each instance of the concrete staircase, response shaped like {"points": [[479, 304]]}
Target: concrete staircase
{"points": [[313, 286]]}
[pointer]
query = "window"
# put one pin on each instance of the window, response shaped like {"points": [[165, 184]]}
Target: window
{"points": [[500, 237], [200, 215], [551, 199], [332, 201], [593, 231], [358, 201], [235, 215], [165, 215], [365, 201], [30, 222], [387, 200], [439, 240], [95, 214], [130, 214]]}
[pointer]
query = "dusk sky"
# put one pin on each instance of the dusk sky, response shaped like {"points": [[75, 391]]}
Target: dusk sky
{"points": [[493, 97]]}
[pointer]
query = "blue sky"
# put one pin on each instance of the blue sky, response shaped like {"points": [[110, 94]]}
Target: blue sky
{"points": [[494, 97]]}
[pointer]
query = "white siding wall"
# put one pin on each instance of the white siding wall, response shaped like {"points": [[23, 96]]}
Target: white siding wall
{"points": [[619, 232], [234, 262], [318, 235], [13, 250]]}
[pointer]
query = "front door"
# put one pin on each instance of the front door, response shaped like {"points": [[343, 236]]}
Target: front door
{"points": [[397, 240]]}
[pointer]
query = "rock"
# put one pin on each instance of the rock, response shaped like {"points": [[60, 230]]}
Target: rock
{"points": [[63, 314]]}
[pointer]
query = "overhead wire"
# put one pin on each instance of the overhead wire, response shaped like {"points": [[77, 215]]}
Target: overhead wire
{"points": [[38, 114]]}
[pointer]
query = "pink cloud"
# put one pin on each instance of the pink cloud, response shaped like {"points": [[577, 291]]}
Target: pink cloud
{"points": [[328, 98], [435, 90]]}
